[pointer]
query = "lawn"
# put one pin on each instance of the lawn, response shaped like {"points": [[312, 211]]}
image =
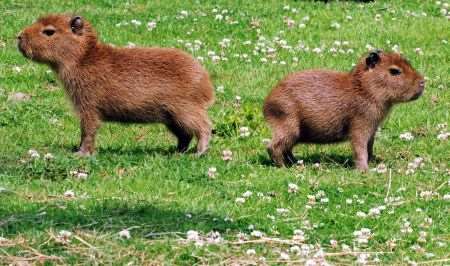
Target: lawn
{"points": [[138, 202]]}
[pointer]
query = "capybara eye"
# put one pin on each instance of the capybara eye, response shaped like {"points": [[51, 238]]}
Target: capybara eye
{"points": [[395, 71], [48, 32]]}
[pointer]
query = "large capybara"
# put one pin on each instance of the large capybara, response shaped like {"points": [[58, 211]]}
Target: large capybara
{"points": [[130, 85], [325, 106]]}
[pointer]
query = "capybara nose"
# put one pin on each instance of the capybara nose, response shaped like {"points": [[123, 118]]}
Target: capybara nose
{"points": [[20, 36], [422, 84]]}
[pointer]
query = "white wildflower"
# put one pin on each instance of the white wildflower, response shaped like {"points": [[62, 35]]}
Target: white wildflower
{"points": [[69, 194], [362, 236], [247, 194], [244, 132], [257, 234], [292, 188], [250, 252], [406, 136], [227, 155], [212, 171], [240, 200], [125, 233], [151, 25]]}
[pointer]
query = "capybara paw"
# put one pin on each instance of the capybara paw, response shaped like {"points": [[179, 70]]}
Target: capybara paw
{"points": [[363, 167], [82, 153]]}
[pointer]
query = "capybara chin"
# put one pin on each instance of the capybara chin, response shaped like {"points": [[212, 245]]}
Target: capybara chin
{"points": [[131, 85], [324, 106]]}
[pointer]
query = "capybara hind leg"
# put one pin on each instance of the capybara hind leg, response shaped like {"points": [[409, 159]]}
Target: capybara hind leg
{"points": [[203, 134], [197, 122], [283, 140], [184, 136]]}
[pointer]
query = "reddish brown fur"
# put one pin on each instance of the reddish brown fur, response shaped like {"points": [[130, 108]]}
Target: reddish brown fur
{"points": [[324, 106], [122, 84]]}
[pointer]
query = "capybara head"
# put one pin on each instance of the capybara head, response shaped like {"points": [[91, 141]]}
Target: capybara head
{"points": [[57, 38], [391, 76]]}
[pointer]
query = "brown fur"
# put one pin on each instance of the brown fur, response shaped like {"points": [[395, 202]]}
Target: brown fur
{"points": [[138, 85], [324, 106]]}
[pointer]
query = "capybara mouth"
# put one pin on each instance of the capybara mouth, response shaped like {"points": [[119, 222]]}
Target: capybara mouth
{"points": [[417, 95], [23, 50]]}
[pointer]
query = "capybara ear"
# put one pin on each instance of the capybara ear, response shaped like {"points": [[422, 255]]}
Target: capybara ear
{"points": [[76, 24], [373, 58]]}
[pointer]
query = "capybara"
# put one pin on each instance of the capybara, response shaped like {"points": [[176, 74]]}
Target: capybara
{"points": [[325, 106], [130, 85]]}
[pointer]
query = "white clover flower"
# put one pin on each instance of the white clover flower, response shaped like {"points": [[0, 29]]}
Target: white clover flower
{"points": [[192, 235], [244, 132], [335, 25], [446, 197], [220, 89], [334, 243], [282, 211], [317, 50], [396, 48], [349, 201], [247, 194], [64, 236], [212, 171], [250, 252], [82, 175], [361, 214], [348, 17], [299, 235], [295, 249], [131, 45], [292, 188], [151, 25], [362, 236], [408, 136], [240, 200], [125, 233], [227, 155], [443, 135], [69, 194], [362, 258], [136, 22], [218, 17], [214, 237], [381, 168], [290, 22], [257, 234], [49, 156], [324, 200], [34, 154], [284, 256], [225, 43], [422, 237], [418, 51], [376, 211], [406, 228]]}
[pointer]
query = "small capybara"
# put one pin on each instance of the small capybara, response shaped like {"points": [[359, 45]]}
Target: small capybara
{"points": [[130, 85], [324, 106]]}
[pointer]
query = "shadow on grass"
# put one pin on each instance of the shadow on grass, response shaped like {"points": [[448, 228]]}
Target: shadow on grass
{"points": [[166, 150], [110, 216], [345, 161]]}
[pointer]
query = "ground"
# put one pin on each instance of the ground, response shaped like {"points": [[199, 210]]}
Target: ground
{"points": [[137, 201]]}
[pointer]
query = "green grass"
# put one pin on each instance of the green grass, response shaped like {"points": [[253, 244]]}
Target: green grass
{"points": [[136, 181]]}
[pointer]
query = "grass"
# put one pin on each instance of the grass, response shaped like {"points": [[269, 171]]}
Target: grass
{"points": [[137, 182]]}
